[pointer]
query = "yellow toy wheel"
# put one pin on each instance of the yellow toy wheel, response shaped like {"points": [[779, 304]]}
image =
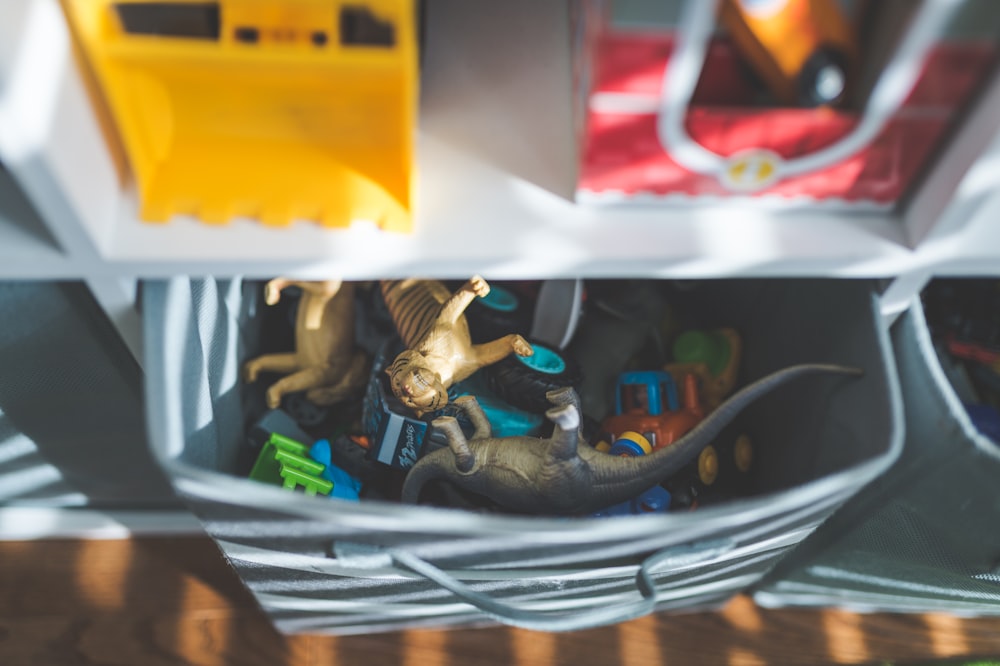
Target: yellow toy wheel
{"points": [[708, 465], [743, 453], [631, 444]]}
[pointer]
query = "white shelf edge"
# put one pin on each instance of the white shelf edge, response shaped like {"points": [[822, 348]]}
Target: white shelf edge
{"points": [[930, 212], [529, 231]]}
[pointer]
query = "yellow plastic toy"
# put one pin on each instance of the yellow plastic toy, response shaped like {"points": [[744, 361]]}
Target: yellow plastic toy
{"points": [[804, 50], [277, 110]]}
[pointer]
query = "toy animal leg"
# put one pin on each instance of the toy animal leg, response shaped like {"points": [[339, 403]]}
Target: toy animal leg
{"points": [[489, 353], [304, 379], [351, 381], [283, 363], [464, 457], [455, 306], [481, 425], [564, 396], [566, 435], [273, 289], [316, 300]]}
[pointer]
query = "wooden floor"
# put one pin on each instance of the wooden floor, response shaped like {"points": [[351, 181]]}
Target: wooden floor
{"points": [[149, 602]]}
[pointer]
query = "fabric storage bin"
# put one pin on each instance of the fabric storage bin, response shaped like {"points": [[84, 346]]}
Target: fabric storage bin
{"points": [[72, 428], [923, 537], [322, 565]]}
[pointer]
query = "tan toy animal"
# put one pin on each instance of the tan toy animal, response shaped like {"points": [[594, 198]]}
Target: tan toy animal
{"points": [[326, 364], [431, 322]]}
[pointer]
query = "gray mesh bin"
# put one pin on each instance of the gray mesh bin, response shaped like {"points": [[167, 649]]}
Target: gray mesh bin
{"points": [[72, 428], [321, 565], [924, 536]]}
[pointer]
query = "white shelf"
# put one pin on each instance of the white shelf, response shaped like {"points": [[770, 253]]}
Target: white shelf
{"points": [[496, 165], [473, 217]]}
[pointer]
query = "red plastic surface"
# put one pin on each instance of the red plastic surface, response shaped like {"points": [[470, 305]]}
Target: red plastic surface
{"points": [[623, 154]]}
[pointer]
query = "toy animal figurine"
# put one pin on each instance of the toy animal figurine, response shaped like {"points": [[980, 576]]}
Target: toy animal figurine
{"points": [[563, 475], [439, 352], [326, 364]]}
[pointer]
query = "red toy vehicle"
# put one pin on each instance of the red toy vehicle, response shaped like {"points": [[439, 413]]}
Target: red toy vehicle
{"points": [[647, 403], [670, 115]]}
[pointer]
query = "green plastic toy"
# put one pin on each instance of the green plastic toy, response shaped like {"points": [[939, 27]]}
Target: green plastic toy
{"points": [[286, 463]]}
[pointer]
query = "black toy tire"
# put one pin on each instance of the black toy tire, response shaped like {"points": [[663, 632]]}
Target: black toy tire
{"points": [[524, 386], [305, 413]]}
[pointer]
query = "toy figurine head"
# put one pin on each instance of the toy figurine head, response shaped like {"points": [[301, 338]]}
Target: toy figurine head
{"points": [[415, 384]]}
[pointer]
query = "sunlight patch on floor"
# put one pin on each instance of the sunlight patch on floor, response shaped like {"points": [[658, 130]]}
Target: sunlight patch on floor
{"points": [[102, 581], [744, 657], [743, 614], [946, 635], [845, 637], [530, 648], [639, 642], [425, 648]]}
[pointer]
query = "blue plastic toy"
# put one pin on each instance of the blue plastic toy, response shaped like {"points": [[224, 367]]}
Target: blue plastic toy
{"points": [[345, 486], [654, 500]]}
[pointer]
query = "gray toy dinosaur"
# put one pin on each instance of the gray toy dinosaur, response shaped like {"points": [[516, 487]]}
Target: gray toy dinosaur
{"points": [[563, 475]]}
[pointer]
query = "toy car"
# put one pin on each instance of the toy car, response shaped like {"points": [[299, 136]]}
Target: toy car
{"points": [[720, 471], [804, 50], [646, 402]]}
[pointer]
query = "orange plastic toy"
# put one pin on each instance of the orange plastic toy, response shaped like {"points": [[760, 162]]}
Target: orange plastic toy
{"points": [[647, 404], [805, 50], [277, 110]]}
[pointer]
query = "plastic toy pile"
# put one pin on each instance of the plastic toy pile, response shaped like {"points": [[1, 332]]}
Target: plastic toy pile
{"points": [[963, 316], [556, 398]]}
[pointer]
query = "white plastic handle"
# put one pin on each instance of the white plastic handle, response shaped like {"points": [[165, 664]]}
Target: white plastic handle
{"points": [[680, 76], [515, 616]]}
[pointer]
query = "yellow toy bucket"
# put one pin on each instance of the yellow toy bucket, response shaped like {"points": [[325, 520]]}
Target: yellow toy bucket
{"points": [[277, 110]]}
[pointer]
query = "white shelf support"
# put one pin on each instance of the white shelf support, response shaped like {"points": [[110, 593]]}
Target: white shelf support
{"points": [[50, 139], [117, 296], [931, 212]]}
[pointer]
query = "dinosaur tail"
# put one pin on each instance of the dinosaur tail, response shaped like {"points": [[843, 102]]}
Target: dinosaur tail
{"points": [[652, 469], [435, 465]]}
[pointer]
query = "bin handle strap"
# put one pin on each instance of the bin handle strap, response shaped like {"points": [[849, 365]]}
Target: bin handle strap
{"points": [[680, 77], [511, 614]]}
